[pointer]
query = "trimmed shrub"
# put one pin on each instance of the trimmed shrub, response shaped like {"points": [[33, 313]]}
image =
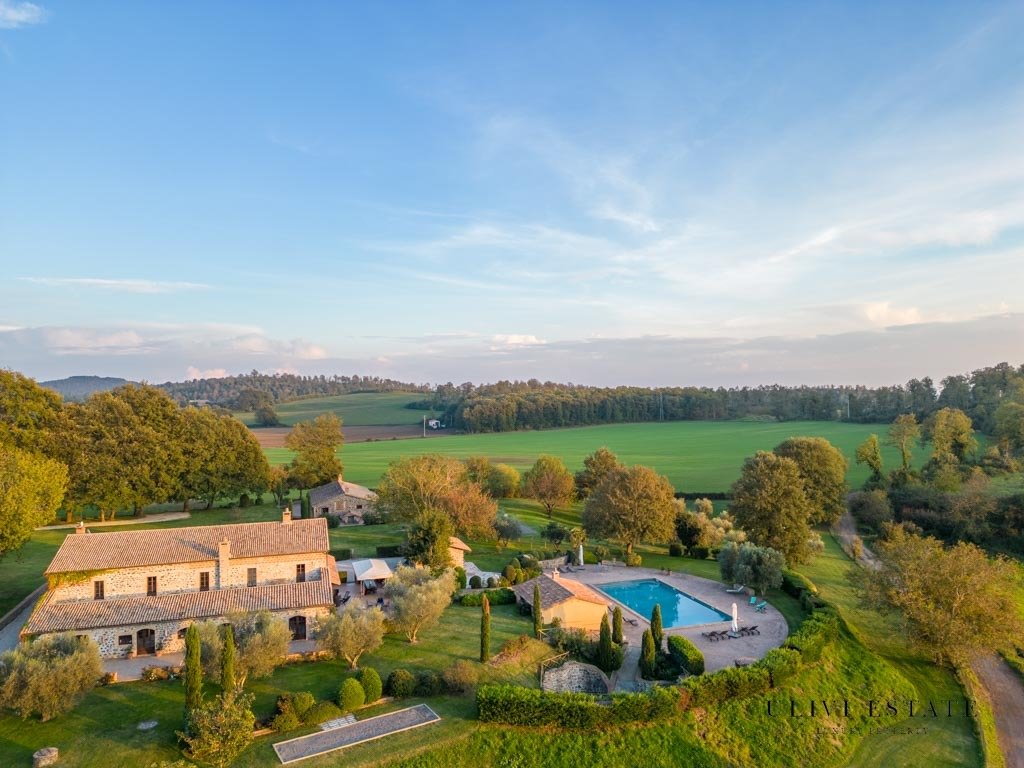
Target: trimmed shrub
{"points": [[345, 553], [634, 560], [460, 577], [429, 683], [372, 686], [285, 721], [685, 654], [301, 703], [154, 674], [675, 549], [699, 553], [648, 656], [321, 712], [502, 596], [460, 676], [401, 684], [475, 582], [351, 695], [782, 664], [726, 685], [514, 705], [492, 582], [390, 550], [818, 630], [795, 584]]}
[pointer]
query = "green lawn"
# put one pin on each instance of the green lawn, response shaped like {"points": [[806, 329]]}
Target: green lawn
{"points": [[357, 410], [102, 730], [697, 456], [947, 741]]}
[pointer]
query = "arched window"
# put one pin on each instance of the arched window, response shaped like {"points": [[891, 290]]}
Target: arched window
{"points": [[297, 625]]}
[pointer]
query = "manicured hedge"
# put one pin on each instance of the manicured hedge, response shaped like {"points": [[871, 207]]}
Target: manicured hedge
{"points": [[727, 684], [390, 550], [345, 553], [502, 596], [795, 584], [515, 705], [782, 664], [818, 630], [686, 655]]}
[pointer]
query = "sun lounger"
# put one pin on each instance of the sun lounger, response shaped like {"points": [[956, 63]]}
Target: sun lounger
{"points": [[761, 606], [753, 630], [753, 599], [736, 589]]}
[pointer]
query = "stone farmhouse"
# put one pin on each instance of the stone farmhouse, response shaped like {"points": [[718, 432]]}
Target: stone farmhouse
{"points": [[575, 605], [136, 592], [348, 501]]}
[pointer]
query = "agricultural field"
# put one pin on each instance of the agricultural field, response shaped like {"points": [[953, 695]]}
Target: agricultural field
{"points": [[696, 456], [359, 409]]}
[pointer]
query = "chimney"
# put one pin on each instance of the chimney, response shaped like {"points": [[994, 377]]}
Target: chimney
{"points": [[286, 516], [80, 528], [555, 574], [223, 558]]}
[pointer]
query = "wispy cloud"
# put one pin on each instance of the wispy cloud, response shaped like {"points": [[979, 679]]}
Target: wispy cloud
{"points": [[125, 285], [14, 14]]}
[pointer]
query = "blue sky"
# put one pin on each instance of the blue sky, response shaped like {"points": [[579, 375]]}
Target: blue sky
{"points": [[652, 193]]}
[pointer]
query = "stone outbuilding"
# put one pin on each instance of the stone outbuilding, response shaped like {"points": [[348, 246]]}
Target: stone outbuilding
{"points": [[136, 592], [575, 605], [346, 501], [457, 550]]}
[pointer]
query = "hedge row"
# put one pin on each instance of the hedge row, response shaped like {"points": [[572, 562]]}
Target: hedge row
{"points": [[515, 705], [818, 630], [390, 550], [686, 655], [501, 596], [345, 553], [795, 584]]}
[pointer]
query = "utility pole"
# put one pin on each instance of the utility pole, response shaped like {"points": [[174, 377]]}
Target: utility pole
{"points": [[424, 425]]}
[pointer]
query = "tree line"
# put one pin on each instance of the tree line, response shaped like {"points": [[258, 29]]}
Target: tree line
{"points": [[122, 449], [281, 387], [514, 405]]}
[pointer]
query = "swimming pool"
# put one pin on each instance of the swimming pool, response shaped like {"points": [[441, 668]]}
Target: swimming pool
{"points": [[678, 609]]}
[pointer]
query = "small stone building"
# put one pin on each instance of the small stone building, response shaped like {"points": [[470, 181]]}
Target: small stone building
{"points": [[457, 550], [347, 501], [576, 605], [136, 592]]}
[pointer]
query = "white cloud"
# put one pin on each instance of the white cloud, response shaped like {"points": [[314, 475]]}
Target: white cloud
{"points": [[515, 340], [210, 373], [122, 285], [883, 313], [15, 14]]}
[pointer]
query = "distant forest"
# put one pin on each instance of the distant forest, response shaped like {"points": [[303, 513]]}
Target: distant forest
{"points": [[282, 387], [507, 406]]}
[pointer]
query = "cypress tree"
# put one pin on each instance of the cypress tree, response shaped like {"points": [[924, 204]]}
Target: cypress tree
{"points": [[227, 662], [657, 634], [648, 661], [617, 625], [193, 670], [538, 616], [604, 646], [485, 631]]}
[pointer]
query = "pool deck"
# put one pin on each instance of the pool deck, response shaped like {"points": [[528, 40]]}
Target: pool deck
{"points": [[718, 654]]}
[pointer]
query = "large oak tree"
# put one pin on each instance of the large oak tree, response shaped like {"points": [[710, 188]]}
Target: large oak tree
{"points": [[631, 505], [823, 470]]}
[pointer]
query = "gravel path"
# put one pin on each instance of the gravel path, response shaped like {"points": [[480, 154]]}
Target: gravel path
{"points": [[160, 517], [846, 531], [364, 730], [1007, 693]]}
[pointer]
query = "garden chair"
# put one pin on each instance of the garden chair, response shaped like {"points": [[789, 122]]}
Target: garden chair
{"points": [[761, 606]]}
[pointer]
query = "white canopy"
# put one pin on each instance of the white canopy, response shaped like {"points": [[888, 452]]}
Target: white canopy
{"points": [[371, 569]]}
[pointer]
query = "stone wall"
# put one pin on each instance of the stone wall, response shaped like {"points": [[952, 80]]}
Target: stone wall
{"points": [[574, 676], [184, 577], [167, 640]]}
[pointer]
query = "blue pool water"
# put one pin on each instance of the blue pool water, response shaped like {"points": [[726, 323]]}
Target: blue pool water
{"points": [[678, 609]]}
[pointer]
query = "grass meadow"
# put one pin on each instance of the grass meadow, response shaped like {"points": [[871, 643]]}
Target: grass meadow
{"points": [[696, 456], [359, 409]]}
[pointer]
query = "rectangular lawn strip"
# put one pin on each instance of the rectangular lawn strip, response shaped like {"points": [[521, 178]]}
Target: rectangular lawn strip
{"points": [[357, 409], [696, 456], [947, 741]]}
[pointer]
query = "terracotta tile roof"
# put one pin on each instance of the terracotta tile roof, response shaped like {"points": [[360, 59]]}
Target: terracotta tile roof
{"points": [[557, 590], [454, 542], [90, 614], [128, 549]]}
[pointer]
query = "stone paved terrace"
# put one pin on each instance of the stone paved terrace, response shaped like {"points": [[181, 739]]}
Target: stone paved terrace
{"points": [[718, 654], [314, 744]]}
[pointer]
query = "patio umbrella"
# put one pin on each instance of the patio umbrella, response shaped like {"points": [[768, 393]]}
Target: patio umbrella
{"points": [[735, 618], [580, 562]]}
